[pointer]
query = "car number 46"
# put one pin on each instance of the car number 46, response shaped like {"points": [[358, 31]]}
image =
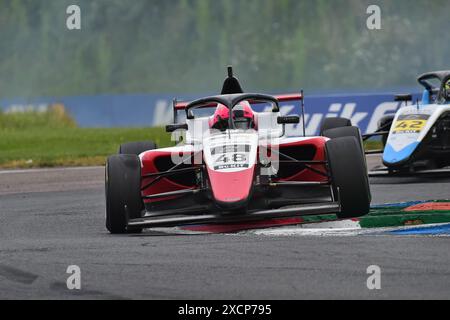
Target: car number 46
{"points": [[236, 157]]}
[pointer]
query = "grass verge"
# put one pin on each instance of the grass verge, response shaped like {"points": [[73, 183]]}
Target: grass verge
{"points": [[371, 145], [46, 147], [52, 139]]}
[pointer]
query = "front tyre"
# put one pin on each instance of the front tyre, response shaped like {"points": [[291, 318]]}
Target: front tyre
{"points": [[349, 177], [123, 192]]}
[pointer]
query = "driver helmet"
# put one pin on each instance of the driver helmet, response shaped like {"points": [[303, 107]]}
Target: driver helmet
{"points": [[447, 90], [219, 120], [243, 117]]}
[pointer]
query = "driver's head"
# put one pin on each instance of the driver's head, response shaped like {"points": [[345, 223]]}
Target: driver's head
{"points": [[447, 90], [220, 120], [243, 116]]}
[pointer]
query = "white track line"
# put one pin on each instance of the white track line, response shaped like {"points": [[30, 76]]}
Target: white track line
{"points": [[324, 230], [48, 170], [332, 228], [343, 232]]}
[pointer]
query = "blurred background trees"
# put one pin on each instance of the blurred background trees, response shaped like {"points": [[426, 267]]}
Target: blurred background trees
{"points": [[183, 46]]}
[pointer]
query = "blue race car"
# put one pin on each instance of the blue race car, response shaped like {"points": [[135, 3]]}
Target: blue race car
{"points": [[417, 138]]}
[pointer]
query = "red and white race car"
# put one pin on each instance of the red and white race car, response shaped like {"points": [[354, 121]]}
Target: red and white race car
{"points": [[236, 165]]}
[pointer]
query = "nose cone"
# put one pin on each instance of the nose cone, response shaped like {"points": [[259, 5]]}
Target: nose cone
{"points": [[231, 189], [392, 157]]}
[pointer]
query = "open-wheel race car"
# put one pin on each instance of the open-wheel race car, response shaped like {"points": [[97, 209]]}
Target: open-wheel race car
{"points": [[236, 165], [416, 140]]}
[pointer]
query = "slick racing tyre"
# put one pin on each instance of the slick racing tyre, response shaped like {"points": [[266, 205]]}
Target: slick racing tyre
{"points": [[332, 123], [123, 192], [136, 148], [345, 132], [385, 124], [349, 177]]}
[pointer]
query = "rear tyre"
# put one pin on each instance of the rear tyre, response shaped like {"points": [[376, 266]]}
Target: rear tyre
{"points": [[137, 148], [349, 177], [385, 124], [332, 123], [122, 190]]}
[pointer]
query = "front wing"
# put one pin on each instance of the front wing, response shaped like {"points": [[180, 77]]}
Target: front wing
{"points": [[152, 221]]}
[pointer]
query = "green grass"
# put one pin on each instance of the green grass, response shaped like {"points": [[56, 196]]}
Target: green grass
{"points": [[52, 139], [373, 145]]}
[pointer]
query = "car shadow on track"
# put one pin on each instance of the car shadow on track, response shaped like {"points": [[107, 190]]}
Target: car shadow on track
{"points": [[408, 180], [150, 233]]}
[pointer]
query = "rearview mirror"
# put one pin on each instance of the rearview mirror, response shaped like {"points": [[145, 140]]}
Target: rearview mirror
{"points": [[288, 120], [175, 127], [190, 115], [403, 97]]}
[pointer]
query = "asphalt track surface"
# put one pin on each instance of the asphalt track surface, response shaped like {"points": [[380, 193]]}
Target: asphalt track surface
{"points": [[51, 219]]}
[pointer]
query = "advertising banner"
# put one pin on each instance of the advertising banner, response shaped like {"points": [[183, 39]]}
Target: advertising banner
{"points": [[147, 110]]}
